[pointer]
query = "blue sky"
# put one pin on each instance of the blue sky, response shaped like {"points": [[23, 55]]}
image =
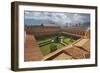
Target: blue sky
{"points": [[61, 18]]}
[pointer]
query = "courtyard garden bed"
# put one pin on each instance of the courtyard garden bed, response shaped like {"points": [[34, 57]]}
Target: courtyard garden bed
{"points": [[50, 44], [46, 48], [68, 40]]}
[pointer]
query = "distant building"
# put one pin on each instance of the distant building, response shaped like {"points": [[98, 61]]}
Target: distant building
{"points": [[43, 29], [75, 30]]}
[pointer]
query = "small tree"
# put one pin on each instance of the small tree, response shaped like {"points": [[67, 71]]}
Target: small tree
{"points": [[71, 39], [57, 39], [53, 47]]}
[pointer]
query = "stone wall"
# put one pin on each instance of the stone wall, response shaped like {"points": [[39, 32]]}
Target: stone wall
{"points": [[39, 31], [76, 30]]}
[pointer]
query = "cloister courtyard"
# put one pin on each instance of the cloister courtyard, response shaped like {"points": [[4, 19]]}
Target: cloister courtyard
{"points": [[54, 43]]}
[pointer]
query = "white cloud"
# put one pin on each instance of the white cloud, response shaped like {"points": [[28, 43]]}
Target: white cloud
{"points": [[62, 18], [80, 18], [35, 15]]}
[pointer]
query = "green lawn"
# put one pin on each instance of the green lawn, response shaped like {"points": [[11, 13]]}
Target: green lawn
{"points": [[67, 40], [46, 39], [45, 42], [46, 49]]}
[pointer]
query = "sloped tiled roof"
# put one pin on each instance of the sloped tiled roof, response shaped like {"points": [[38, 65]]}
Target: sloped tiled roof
{"points": [[31, 51]]}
